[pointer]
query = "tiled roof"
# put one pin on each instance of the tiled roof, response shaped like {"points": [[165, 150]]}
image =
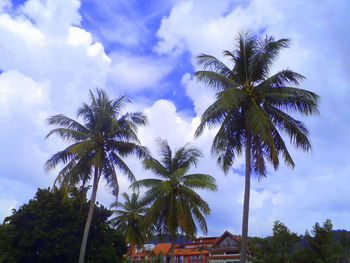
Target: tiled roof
{"points": [[162, 248], [205, 240]]}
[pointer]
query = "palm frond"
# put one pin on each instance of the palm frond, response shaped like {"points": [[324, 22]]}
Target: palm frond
{"points": [[292, 100], [199, 181], [59, 157], [156, 167], [296, 130], [215, 80], [211, 117], [66, 122], [186, 156], [165, 153], [127, 148], [211, 63], [281, 79], [267, 50], [122, 166], [146, 183], [69, 134]]}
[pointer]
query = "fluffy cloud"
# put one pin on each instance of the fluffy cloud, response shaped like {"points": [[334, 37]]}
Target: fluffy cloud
{"points": [[65, 56], [131, 73], [48, 64], [202, 98]]}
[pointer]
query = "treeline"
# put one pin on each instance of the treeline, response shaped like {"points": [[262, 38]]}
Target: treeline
{"points": [[320, 245], [49, 228]]}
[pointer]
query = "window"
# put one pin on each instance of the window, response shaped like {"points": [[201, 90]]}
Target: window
{"points": [[227, 242], [193, 258], [201, 258]]}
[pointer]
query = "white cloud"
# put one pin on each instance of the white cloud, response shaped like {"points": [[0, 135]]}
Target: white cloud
{"points": [[5, 4], [21, 96], [202, 97], [65, 56], [53, 17], [49, 63], [137, 73]]}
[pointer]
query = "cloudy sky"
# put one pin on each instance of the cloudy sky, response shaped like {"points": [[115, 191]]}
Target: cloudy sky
{"points": [[52, 52]]}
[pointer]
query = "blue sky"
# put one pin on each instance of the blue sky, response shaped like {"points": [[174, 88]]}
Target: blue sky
{"points": [[52, 52]]}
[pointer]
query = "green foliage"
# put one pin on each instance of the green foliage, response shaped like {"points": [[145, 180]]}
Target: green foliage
{"points": [[251, 106], [129, 220], [49, 229], [99, 143], [323, 245], [175, 206]]}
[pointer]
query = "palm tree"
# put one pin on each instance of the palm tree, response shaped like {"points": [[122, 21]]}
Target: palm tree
{"points": [[129, 220], [252, 108], [99, 145], [174, 205]]}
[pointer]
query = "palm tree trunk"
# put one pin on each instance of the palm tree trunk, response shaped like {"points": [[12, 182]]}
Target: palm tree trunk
{"points": [[172, 252], [89, 218], [244, 241]]}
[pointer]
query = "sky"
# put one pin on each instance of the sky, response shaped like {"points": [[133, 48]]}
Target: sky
{"points": [[53, 52]]}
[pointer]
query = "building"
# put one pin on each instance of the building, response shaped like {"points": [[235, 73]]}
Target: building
{"points": [[223, 249]]}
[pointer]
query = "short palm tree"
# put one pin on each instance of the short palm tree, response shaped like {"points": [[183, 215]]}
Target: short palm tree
{"points": [[99, 145], [174, 205], [129, 220], [252, 109]]}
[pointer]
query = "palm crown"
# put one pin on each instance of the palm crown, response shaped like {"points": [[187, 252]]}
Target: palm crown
{"points": [[175, 206], [100, 143], [129, 219], [251, 106]]}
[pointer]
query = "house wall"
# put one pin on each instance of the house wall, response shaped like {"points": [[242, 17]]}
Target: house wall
{"points": [[205, 259], [189, 259]]}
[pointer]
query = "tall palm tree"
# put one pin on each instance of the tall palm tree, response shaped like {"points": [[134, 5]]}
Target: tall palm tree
{"points": [[174, 205], [129, 220], [98, 146], [252, 108]]}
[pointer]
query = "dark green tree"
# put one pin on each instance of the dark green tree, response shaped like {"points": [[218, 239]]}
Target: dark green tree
{"points": [[283, 243], [49, 229], [322, 245], [252, 110], [175, 206], [344, 243], [99, 144], [278, 248]]}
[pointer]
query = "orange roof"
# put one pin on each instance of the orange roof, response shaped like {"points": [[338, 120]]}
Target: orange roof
{"points": [[162, 248], [205, 240], [189, 251]]}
